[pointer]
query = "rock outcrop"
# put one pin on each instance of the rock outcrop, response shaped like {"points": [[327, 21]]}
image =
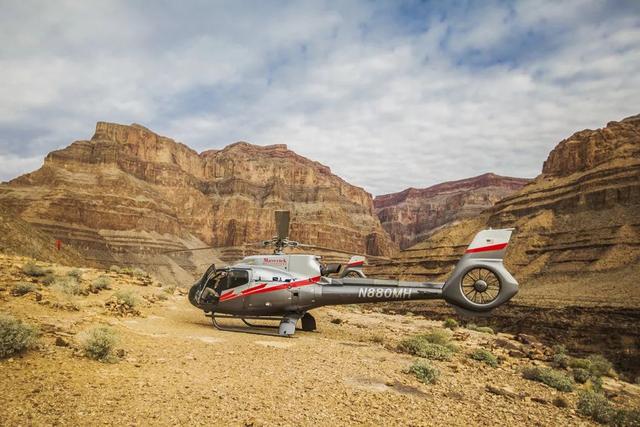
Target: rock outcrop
{"points": [[577, 224], [128, 195], [412, 215]]}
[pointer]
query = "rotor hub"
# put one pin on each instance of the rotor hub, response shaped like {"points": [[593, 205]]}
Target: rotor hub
{"points": [[480, 285]]}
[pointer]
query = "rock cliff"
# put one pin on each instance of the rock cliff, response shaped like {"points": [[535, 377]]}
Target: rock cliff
{"points": [[577, 224], [128, 195], [413, 214]]}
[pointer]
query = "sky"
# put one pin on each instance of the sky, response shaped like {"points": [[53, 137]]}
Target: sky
{"points": [[388, 94]]}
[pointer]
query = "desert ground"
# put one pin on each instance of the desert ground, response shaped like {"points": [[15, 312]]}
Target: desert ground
{"points": [[169, 366]]}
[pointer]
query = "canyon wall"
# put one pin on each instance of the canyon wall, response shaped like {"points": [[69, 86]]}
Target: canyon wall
{"points": [[577, 224], [410, 216], [127, 195]]}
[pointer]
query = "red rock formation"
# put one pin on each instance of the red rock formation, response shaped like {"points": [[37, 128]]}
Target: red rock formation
{"points": [[413, 214], [577, 224], [131, 191]]}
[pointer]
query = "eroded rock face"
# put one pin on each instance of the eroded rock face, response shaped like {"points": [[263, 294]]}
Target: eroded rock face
{"points": [[411, 215], [577, 224], [129, 191]]}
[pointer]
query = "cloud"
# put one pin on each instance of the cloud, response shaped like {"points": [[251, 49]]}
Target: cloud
{"points": [[389, 95]]}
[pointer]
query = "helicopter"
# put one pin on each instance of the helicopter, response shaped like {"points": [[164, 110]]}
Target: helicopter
{"points": [[284, 287]]}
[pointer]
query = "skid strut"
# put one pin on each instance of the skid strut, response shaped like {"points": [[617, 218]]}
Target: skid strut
{"points": [[286, 327]]}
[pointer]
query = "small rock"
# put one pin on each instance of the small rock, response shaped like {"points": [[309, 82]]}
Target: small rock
{"points": [[540, 400], [561, 402], [502, 391], [61, 342], [517, 354], [527, 339], [120, 353], [506, 344]]}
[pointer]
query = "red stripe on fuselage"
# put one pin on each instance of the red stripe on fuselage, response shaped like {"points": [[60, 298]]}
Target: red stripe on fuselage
{"points": [[260, 289], [355, 264], [495, 247]]}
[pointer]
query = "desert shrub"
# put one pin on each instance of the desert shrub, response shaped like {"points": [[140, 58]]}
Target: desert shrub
{"points": [[75, 273], [578, 363], [559, 349], [23, 288], [550, 377], [437, 336], [161, 296], [127, 298], [31, 269], [377, 338], [561, 360], [483, 355], [599, 366], [68, 286], [139, 273], [48, 279], [169, 289], [424, 372], [580, 375], [596, 364], [597, 407], [98, 343], [101, 283], [115, 269], [482, 329], [15, 336], [450, 323], [420, 345]]}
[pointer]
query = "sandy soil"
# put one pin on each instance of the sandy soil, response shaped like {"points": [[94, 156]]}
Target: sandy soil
{"points": [[177, 370]]}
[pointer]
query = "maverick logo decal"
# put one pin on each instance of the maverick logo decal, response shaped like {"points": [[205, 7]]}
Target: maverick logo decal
{"points": [[384, 293]]}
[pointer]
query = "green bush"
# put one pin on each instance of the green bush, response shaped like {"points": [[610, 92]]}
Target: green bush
{"points": [[483, 329], [49, 279], [561, 360], [31, 269], [75, 273], [559, 349], [127, 298], [597, 407], [450, 323], [15, 336], [169, 289], [483, 355], [438, 336], [424, 372], [578, 363], [550, 377], [23, 288], [115, 269], [581, 375], [139, 273], [98, 343], [599, 366], [434, 345], [101, 283], [68, 286]]}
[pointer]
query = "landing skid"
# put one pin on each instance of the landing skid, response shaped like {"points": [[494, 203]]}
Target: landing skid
{"points": [[286, 327]]}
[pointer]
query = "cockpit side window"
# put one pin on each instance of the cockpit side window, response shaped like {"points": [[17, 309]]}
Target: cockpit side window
{"points": [[236, 278]]}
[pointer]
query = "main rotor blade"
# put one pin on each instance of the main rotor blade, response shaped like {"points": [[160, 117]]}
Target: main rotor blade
{"points": [[303, 245], [282, 224]]}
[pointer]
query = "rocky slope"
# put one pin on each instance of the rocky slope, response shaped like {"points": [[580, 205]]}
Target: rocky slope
{"points": [[413, 214], [577, 224], [129, 194]]}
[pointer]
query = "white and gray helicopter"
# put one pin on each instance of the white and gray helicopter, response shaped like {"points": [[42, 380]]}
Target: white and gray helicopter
{"points": [[285, 287]]}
